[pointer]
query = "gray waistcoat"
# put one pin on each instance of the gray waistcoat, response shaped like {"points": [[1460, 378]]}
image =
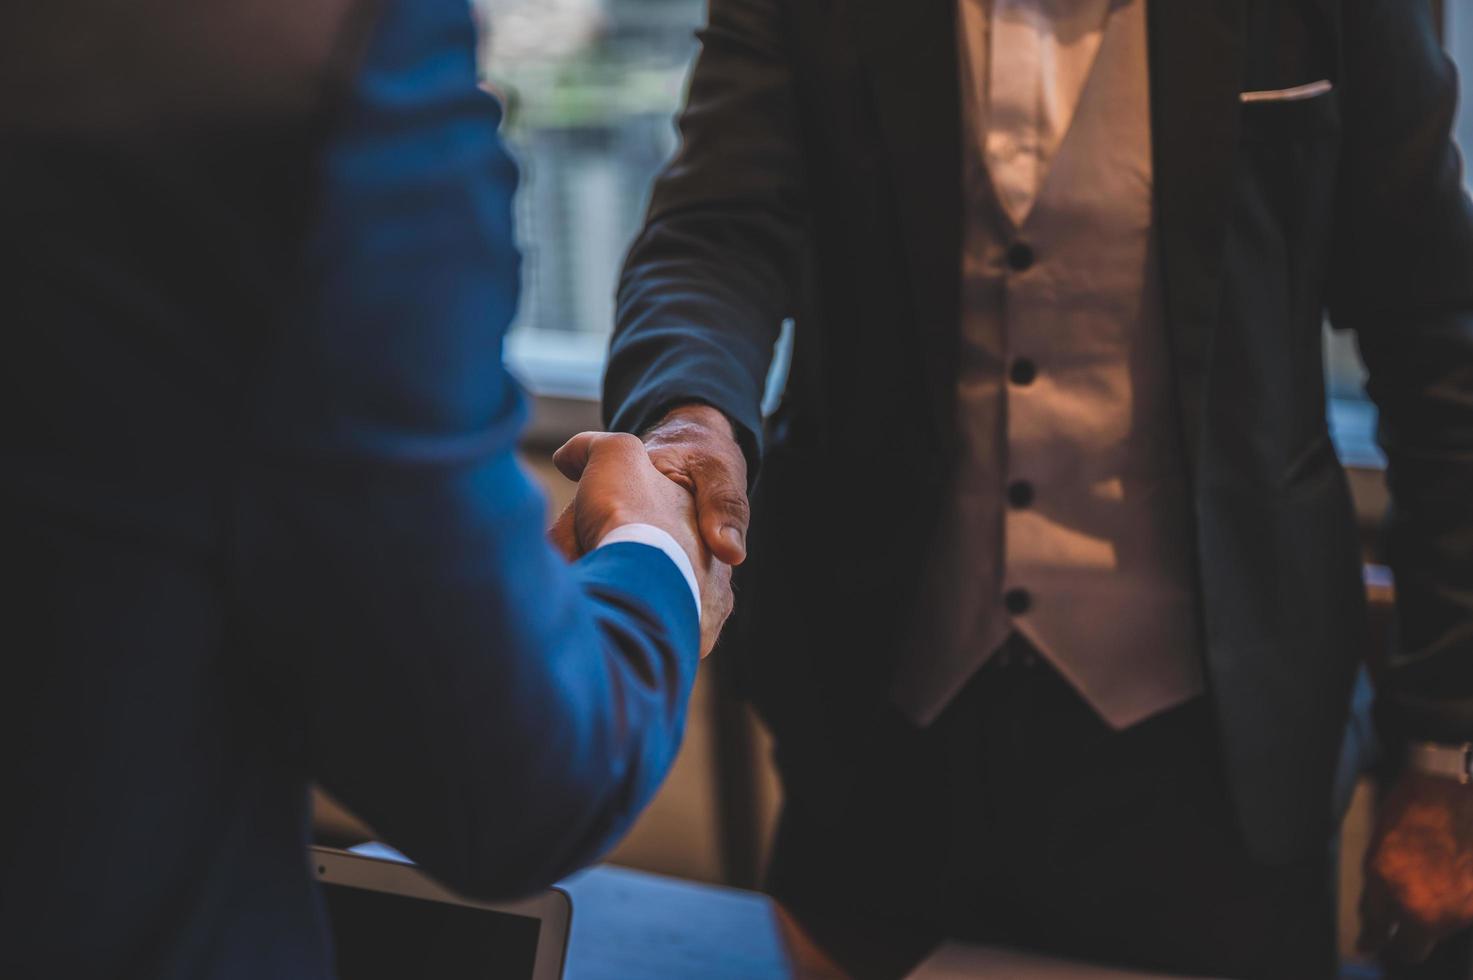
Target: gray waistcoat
{"points": [[1070, 518]]}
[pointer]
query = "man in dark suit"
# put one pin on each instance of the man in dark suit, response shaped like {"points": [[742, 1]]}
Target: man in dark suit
{"points": [[1054, 598], [263, 522]]}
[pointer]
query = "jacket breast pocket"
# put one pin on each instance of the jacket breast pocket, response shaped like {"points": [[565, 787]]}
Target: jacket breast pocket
{"points": [[1310, 111], [1277, 259]]}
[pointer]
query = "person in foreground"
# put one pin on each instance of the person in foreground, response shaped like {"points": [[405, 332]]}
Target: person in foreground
{"points": [[1053, 600], [263, 524]]}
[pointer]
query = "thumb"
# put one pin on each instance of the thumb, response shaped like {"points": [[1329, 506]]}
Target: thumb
{"points": [[723, 512], [572, 459]]}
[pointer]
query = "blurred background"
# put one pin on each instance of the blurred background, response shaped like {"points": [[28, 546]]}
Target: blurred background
{"points": [[591, 87]]}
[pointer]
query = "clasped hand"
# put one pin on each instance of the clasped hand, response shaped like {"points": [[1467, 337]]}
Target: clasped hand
{"points": [[688, 478], [1419, 871]]}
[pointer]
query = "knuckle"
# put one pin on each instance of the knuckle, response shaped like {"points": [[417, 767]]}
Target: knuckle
{"points": [[672, 466], [665, 456], [624, 442], [722, 464], [581, 443], [623, 447], [732, 501]]}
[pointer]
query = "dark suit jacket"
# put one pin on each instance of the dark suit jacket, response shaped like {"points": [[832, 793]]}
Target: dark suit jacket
{"points": [[819, 179], [262, 523]]}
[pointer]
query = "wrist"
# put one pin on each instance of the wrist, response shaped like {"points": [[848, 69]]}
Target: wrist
{"points": [[695, 415], [621, 517]]}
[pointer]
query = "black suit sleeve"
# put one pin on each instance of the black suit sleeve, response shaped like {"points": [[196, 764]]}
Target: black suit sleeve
{"points": [[711, 278], [1403, 279]]}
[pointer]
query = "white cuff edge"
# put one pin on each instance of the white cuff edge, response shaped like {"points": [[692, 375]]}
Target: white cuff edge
{"points": [[654, 537]]}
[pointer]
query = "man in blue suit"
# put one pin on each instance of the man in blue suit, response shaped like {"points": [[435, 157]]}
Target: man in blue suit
{"points": [[262, 521]]}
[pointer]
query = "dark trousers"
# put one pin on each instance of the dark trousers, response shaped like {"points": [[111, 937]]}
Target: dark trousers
{"points": [[1020, 818], [1450, 961]]}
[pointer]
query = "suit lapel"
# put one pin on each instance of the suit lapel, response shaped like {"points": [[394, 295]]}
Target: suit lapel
{"points": [[909, 52], [1196, 76]]}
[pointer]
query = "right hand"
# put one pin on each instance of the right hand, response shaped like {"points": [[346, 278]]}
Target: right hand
{"points": [[695, 445], [1419, 869], [618, 485]]}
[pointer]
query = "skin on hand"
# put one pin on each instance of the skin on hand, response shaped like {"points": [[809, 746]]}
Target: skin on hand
{"points": [[1419, 869], [695, 446], [618, 485]]}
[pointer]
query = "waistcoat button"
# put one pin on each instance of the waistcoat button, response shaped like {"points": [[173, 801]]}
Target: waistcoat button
{"points": [[1024, 372], [1020, 257], [1020, 494], [1017, 601]]}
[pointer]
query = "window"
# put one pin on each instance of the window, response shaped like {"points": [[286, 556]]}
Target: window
{"points": [[1459, 19], [591, 87]]}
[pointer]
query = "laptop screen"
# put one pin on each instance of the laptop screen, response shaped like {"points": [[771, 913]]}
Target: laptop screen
{"points": [[379, 936]]}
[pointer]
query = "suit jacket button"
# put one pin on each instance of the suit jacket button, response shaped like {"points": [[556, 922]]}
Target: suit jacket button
{"points": [[1017, 601]]}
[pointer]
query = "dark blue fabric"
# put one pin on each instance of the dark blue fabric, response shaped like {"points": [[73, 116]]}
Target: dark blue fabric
{"points": [[265, 526]]}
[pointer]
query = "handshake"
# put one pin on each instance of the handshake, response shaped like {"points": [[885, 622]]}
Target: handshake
{"points": [[687, 477]]}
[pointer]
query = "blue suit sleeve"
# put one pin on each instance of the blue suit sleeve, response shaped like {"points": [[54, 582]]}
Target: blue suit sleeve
{"points": [[499, 716]]}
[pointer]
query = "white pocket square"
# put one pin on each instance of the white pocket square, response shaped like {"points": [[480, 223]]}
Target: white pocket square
{"points": [[1296, 94]]}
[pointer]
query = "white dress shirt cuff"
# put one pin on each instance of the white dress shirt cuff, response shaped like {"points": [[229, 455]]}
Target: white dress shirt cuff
{"points": [[655, 537]]}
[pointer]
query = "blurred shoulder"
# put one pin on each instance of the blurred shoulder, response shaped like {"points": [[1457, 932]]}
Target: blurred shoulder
{"points": [[99, 66]]}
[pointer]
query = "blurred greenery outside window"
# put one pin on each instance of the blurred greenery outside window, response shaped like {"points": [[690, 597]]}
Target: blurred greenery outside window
{"points": [[591, 88]]}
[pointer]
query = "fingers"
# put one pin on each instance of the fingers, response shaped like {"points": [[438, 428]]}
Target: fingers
{"points": [[696, 447], [723, 511], [1389, 930], [711, 468], [564, 535], [716, 602], [622, 482], [572, 459], [589, 448], [578, 453], [719, 484]]}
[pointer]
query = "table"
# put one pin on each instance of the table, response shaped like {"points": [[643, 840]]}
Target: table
{"points": [[630, 925]]}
